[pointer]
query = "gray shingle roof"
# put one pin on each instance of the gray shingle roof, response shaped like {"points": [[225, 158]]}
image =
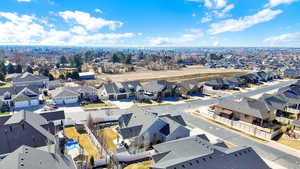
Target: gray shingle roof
{"points": [[198, 153], [25, 128], [274, 102], [246, 106], [30, 158], [25, 77]]}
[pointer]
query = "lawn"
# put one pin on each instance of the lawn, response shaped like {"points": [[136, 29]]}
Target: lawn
{"points": [[94, 105], [4, 113], [291, 143], [6, 85], [84, 141], [142, 165], [109, 136]]}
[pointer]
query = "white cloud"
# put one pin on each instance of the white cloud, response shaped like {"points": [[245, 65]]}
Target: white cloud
{"points": [[284, 39], [89, 22], [184, 39], [206, 18], [30, 30], [218, 4], [97, 10], [217, 13], [235, 25], [24, 0], [216, 43], [273, 3]]}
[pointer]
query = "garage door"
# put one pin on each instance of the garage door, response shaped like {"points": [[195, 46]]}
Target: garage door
{"points": [[34, 102], [123, 96], [20, 104], [68, 101], [59, 101]]}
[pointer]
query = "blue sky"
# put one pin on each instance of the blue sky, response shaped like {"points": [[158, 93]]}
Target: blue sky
{"points": [[150, 22]]}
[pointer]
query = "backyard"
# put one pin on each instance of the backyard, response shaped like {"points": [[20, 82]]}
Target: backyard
{"points": [[142, 165], [84, 141], [109, 136]]}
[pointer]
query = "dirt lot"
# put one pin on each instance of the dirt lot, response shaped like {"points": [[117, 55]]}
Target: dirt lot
{"points": [[192, 72]]}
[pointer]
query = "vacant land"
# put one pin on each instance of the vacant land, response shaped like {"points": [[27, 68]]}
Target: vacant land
{"points": [[142, 165], [84, 141], [192, 72], [109, 136]]}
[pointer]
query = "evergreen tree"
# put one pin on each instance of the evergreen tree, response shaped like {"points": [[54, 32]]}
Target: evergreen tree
{"points": [[10, 68], [19, 69], [115, 58], [63, 60], [2, 76], [29, 69]]}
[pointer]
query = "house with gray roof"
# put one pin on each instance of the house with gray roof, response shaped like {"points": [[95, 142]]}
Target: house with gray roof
{"points": [[120, 90], [247, 109], [159, 89], [25, 128], [26, 157], [149, 128], [68, 95], [187, 88], [20, 96], [197, 152], [29, 79]]}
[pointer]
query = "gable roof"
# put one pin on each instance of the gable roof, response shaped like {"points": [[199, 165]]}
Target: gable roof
{"points": [[274, 101], [158, 86], [64, 92], [25, 128], [197, 152], [246, 106], [26, 77], [122, 87], [31, 158]]}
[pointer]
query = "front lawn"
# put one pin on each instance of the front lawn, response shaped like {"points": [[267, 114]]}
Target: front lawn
{"points": [[4, 113], [94, 105]]}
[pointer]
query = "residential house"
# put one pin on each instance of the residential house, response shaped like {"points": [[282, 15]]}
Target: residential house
{"points": [[29, 79], [69, 95], [248, 110], [25, 128], [159, 89], [148, 128], [19, 96], [296, 128], [120, 90], [197, 152], [32, 158], [291, 73], [218, 84], [186, 88], [53, 84]]}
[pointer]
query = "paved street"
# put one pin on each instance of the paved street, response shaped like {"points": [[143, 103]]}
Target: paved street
{"points": [[263, 150]]}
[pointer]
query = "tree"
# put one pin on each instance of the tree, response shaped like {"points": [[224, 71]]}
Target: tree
{"points": [[2, 76], [19, 69], [92, 161], [61, 76], [77, 61], [75, 75], [63, 60], [10, 68], [29, 69], [2, 67], [115, 58]]}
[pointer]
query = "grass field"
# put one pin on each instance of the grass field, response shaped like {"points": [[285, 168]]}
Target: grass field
{"points": [[142, 165], [109, 136], [84, 141], [192, 72], [291, 143]]}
